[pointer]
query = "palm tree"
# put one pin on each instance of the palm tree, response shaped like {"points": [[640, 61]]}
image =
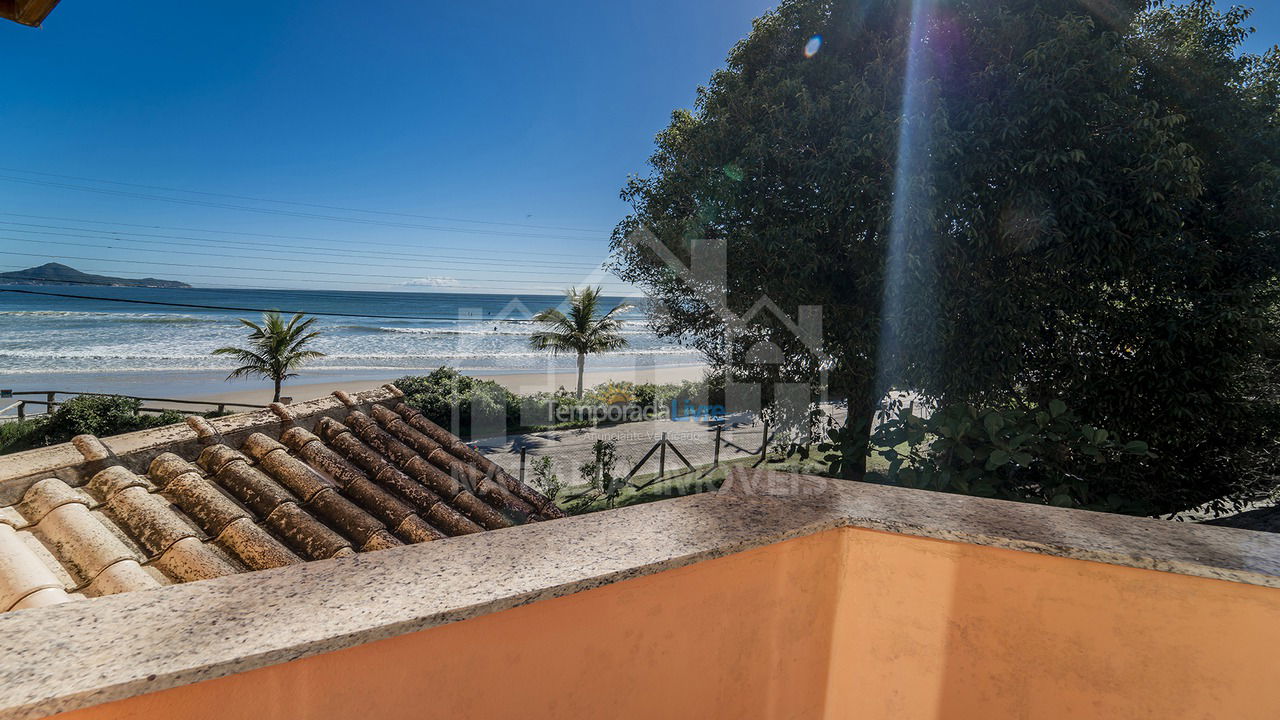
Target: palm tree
{"points": [[580, 331], [275, 349]]}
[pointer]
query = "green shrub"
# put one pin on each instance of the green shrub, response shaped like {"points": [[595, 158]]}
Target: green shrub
{"points": [[599, 473], [19, 435], [93, 415], [438, 395], [545, 478], [445, 390], [101, 415], [1041, 454]]}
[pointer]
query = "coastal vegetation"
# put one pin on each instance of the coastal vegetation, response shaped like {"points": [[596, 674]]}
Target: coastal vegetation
{"points": [[582, 331], [100, 415], [276, 349], [1019, 206], [477, 407]]}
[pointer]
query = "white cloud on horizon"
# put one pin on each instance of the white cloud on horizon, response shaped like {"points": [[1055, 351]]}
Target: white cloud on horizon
{"points": [[434, 281]]}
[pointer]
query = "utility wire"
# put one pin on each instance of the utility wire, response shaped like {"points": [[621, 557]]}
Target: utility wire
{"points": [[289, 213], [551, 289], [116, 234], [197, 306], [238, 269], [400, 263], [300, 204], [343, 295]]}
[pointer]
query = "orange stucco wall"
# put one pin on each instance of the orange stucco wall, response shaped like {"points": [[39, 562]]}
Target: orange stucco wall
{"points": [[931, 629], [848, 624]]}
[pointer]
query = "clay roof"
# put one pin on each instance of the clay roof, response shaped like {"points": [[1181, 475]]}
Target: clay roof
{"points": [[27, 12], [322, 479]]}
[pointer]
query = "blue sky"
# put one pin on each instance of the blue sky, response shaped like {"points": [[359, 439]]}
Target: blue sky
{"points": [[527, 114], [497, 111]]}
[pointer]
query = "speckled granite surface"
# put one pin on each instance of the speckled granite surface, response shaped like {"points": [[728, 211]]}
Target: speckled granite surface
{"points": [[78, 654]]}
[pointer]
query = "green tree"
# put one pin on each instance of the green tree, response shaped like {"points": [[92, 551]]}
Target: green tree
{"points": [[582, 331], [789, 161], [998, 202], [1129, 265], [275, 350]]}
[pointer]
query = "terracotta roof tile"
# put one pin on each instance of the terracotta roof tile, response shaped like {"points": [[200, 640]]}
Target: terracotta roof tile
{"points": [[42, 598], [80, 539], [119, 577], [188, 489], [148, 518], [469, 455], [381, 503], [430, 505], [22, 574], [321, 479]]}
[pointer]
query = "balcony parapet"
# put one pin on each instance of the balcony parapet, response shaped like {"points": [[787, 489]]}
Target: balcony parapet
{"points": [[79, 654]]}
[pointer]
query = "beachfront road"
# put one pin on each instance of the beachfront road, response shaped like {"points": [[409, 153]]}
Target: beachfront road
{"points": [[741, 437]]}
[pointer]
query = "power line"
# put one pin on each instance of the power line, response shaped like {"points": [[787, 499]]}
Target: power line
{"points": [[236, 269], [551, 288], [488, 264], [196, 306], [110, 234], [288, 213], [345, 295], [200, 306], [300, 204]]}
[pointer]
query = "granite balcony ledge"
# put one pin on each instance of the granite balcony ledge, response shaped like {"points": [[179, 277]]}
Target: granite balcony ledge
{"points": [[79, 654]]}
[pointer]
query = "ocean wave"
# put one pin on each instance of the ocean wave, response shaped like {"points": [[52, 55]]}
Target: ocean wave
{"points": [[159, 318], [97, 354], [316, 373], [452, 331]]}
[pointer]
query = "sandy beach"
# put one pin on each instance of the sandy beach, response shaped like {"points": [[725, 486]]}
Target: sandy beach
{"points": [[518, 382]]}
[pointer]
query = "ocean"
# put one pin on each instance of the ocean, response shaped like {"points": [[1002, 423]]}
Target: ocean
{"points": [[96, 345]]}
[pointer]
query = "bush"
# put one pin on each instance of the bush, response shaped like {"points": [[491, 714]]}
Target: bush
{"points": [[599, 473], [20, 435], [437, 395], [545, 478], [1042, 454], [101, 415]]}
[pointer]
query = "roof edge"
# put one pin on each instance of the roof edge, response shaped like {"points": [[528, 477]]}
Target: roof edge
{"points": [[27, 12], [19, 470]]}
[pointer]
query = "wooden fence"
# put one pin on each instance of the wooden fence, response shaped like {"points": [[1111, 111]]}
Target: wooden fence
{"points": [[664, 444], [51, 402]]}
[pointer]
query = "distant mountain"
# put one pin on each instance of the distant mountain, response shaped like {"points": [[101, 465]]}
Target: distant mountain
{"points": [[59, 274]]}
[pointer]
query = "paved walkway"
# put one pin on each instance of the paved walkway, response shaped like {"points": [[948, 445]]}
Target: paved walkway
{"points": [[741, 437]]}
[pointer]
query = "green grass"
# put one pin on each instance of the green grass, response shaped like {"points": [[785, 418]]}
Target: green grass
{"points": [[648, 488]]}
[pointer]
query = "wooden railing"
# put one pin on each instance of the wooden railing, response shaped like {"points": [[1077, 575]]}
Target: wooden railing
{"points": [[51, 402]]}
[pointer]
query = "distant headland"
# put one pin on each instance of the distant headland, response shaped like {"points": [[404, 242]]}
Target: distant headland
{"points": [[59, 274]]}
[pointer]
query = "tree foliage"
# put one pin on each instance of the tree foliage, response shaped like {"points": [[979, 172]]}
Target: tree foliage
{"points": [[582, 331], [1045, 454], [1026, 200], [276, 349]]}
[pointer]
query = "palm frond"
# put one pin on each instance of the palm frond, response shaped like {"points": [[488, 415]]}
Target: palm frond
{"points": [[274, 348], [580, 330]]}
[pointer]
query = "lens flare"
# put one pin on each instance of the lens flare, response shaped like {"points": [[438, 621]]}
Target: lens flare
{"points": [[812, 47], [907, 231]]}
